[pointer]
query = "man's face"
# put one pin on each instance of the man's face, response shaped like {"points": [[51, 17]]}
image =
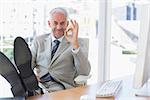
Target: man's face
{"points": [[58, 24]]}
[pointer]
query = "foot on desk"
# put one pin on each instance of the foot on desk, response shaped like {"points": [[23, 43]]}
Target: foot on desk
{"points": [[9, 72], [22, 58]]}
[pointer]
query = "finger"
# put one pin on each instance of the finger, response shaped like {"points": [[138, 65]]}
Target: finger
{"points": [[66, 36], [77, 27], [66, 33], [72, 23], [75, 22], [68, 30], [76, 33]]}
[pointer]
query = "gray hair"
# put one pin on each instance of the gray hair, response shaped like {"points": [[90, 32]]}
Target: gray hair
{"points": [[58, 9]]}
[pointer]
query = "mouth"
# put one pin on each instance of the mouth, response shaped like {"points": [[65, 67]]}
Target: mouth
{"points": [[59, 30]]}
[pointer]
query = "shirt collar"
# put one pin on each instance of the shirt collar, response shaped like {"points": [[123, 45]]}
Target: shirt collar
{"points": [[53, 38]]}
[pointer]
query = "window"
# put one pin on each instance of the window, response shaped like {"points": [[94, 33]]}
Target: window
{"points": [[125, 29], [29, 19]]}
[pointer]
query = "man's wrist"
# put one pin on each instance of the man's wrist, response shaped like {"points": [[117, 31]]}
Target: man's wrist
{"points": [[76, 45]]}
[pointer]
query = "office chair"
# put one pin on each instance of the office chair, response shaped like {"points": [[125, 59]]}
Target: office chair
{"points": [[81, 80]]}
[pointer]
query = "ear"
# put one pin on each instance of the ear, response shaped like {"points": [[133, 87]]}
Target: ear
{"points": [[49, 23]]}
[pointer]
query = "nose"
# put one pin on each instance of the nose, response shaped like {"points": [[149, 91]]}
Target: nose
{"points": [[59, 26]]}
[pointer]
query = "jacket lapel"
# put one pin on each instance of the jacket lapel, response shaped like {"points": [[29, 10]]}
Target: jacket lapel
{"points": [[63, 46], [48, 48]]}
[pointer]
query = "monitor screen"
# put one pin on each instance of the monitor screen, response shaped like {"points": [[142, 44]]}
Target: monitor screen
{"points": [[142, 70]]}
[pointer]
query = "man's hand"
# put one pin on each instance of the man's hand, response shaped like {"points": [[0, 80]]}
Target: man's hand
{"points": [[36, 71], [38, 78], [73, 38]]}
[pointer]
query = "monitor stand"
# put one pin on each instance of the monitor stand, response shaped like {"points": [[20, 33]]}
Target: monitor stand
{"points": [[144, 91]]}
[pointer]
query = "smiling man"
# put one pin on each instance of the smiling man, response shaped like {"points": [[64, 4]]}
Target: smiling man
{"points": [[58, 57]]}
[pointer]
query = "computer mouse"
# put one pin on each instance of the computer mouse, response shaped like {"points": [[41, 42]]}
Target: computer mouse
{"points": [[87, 97]]}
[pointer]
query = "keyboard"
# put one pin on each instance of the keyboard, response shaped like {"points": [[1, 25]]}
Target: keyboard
{"points": [[109, 88]]}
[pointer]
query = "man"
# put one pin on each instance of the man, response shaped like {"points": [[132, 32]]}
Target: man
{"points": [[56, 69]]}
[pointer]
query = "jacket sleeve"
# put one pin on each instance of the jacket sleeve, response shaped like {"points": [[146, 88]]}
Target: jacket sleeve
{"points": [[33, 49], [81, 59]]}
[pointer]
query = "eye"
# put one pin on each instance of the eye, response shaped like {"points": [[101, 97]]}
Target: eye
{"points": [[62, 23], [55, 23]]}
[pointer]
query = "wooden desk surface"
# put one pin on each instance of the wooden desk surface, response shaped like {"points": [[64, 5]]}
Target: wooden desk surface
{"points": [[126, 93]]}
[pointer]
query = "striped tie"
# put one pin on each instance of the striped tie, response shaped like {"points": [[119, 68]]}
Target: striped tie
{"points": [[56, 44]]}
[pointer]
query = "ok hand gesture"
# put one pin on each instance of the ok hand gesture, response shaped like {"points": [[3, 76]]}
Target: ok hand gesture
{"points": [[72, 38]]}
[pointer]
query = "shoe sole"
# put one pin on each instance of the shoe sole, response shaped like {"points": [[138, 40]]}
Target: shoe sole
{"points": [[9, 72], [23, 59]]}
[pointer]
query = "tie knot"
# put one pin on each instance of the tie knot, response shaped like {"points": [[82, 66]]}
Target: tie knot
{"points": [[56, 42]]}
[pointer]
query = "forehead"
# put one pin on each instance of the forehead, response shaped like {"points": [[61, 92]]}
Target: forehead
{"points": [[58, 16]]}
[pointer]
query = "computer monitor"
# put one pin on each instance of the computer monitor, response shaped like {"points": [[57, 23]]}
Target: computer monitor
{"points": [[142, 70]]}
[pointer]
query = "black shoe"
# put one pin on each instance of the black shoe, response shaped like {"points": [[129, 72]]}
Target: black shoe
{"points": [[23, 59], [8, 71]]}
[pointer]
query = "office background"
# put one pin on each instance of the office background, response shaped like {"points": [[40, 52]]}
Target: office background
{"points": [[112, 27]]}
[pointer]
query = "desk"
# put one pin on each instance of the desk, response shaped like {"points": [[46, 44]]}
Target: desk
{"points": [[126, 93]]}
